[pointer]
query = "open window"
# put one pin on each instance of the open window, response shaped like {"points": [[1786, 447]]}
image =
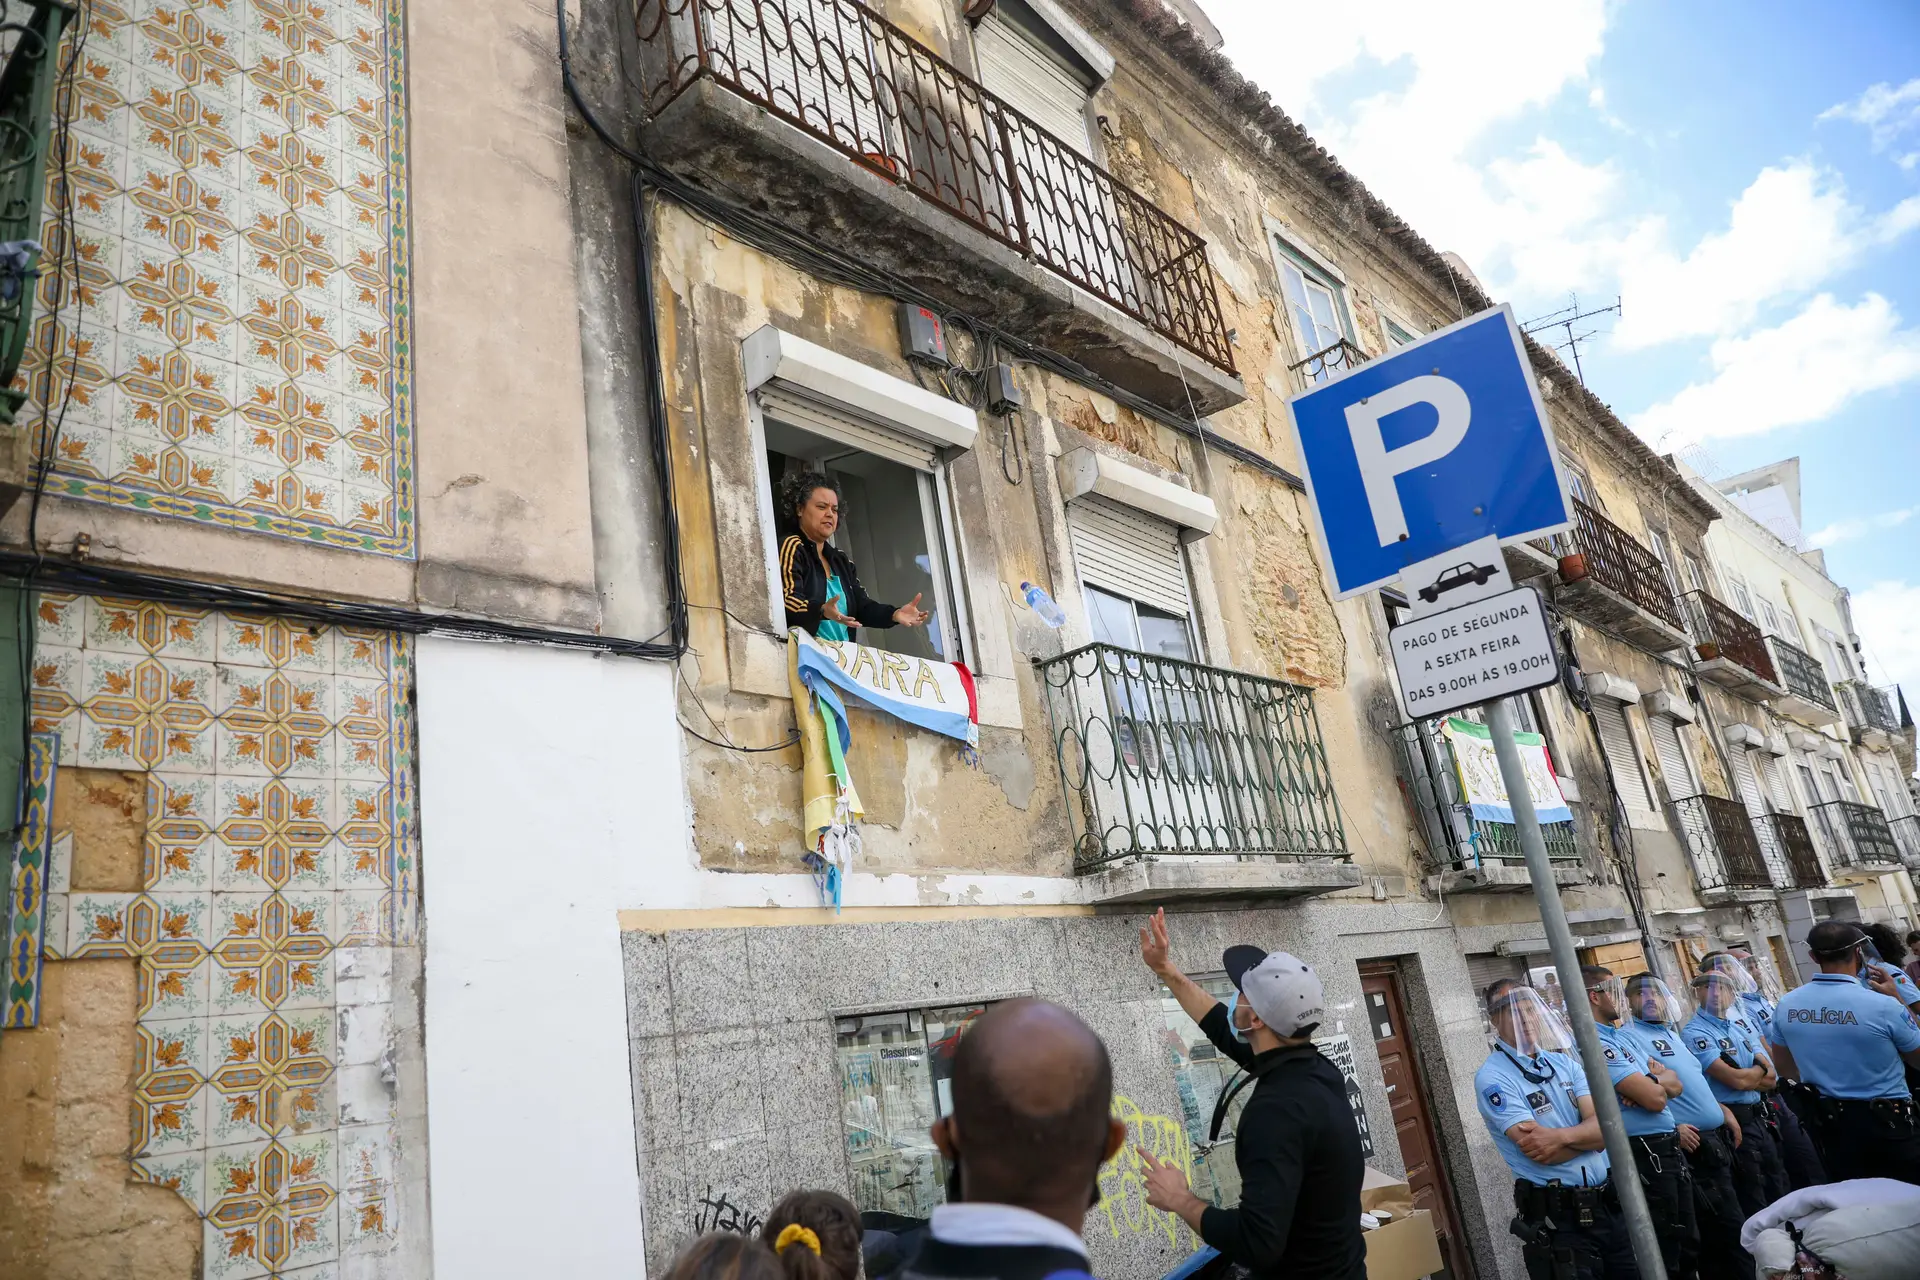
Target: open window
{"points": [[885, 442]]}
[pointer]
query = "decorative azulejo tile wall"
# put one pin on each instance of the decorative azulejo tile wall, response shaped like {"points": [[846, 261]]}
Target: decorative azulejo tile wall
{"points": [[233, 346], [279, 874]]}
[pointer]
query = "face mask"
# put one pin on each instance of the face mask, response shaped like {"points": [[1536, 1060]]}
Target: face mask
{"points": [[1233, 1005]]}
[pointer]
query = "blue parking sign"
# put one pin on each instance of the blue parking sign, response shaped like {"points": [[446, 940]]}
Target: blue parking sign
{"points": [[1420, 452]]}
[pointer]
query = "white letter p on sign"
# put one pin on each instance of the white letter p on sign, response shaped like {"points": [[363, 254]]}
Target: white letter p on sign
{"points": [[1381, 466]]}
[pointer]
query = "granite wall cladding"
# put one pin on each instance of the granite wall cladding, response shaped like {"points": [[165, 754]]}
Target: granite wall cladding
{"points": [[231, 342], [278, 887], [736, 1084]]}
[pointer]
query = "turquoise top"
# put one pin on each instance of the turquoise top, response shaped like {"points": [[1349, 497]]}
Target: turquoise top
{"points": [[1545, 1089], [1845, 1039], [836, 596]]}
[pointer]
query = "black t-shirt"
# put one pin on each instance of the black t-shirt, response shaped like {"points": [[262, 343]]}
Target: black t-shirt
{"points": [[1298, 1153]]}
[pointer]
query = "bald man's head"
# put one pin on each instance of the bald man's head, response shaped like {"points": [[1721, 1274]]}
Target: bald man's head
{"points": [[1032, 1097]]}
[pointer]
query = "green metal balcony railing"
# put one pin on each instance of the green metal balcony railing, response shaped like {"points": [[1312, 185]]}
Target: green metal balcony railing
{"points": [[1160, 756], [1855, 834], [1458, 840], [1801, 674], [32, 43]]}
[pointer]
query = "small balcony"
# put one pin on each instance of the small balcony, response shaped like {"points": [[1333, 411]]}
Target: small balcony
{"points": [[1187, 781], [829, 117], [1784, 836], [1339, 358], [1613, 581], [1856, 838], [1727, 856], [1469, 854], [1869, 714], [1805, 695], [1906, 840], [1730, 651]]}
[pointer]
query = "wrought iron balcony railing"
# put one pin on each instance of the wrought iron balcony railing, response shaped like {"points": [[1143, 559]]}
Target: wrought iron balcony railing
{"points": [[1855, 834], [27, 88], [1800, 674], [846, 75], [1323, 364], [1906, 840], [1866, 708], [1455, 837], [1789, 835], [1160, 756], [1726, 848], [1622, 565], [1712, 623]]}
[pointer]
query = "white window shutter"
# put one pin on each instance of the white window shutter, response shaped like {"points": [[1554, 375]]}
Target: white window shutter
{"points": [[1130, 554], [1672, 757], [1777, 789], [1747, 781], [810, 415], [1032, 81], [1617, 740]]}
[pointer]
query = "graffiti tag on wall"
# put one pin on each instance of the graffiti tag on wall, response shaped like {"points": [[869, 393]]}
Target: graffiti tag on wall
{"points": [[1123, 1180], [718, 1213]]}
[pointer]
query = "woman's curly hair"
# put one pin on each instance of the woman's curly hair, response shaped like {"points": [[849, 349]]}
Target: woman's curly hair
{"points": [[795, 489]]}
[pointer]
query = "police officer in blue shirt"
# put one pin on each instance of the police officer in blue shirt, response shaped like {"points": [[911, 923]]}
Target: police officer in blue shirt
{"points": [[1536, 1104], [1849, 1044], [1740, 1072], [1645, 1088], [1704, 1129], [1757, 994]]}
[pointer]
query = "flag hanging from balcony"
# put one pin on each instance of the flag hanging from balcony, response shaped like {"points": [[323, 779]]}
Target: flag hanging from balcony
{"points": [[1481, 784], [934, 695]]}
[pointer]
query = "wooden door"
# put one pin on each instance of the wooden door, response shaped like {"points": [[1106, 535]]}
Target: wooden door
{"points": [[1386, 1013]]}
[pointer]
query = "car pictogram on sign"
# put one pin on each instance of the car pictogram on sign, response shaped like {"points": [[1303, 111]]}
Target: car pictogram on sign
{"points": [[1458, 576]]}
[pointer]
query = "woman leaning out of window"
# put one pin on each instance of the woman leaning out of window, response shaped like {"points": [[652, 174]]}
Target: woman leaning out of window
{"points": [[823, 593]]}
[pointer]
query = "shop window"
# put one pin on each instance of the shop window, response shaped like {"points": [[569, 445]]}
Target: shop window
{"points": [[893, 522], [896, 1079], [1201, 1073]]}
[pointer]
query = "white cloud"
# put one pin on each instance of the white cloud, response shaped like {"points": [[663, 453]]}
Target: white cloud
{"points": [[1888, 615], [1848, 530], [1889, 115], [1792, 228], [1801, 371]]}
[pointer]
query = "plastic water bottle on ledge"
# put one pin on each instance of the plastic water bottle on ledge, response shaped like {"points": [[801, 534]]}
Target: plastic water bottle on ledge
{"points": [[1042, 603]]}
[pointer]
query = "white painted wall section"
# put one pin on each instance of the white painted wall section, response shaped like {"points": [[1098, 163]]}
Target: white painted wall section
{"points": [[549, 781]]}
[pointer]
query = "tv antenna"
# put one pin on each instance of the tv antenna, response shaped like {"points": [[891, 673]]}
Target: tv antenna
{"points": [[1566, 319]]}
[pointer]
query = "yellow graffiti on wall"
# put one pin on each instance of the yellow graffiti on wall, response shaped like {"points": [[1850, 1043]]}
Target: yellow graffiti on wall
{"points": [[1123, 1180]]}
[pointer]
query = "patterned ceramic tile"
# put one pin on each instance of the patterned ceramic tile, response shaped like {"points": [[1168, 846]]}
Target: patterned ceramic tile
{"points": [[279, 866], [28, 899], [234, 327]]}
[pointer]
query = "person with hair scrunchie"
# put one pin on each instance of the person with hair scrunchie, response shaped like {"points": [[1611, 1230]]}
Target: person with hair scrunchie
{"points": [[816, 1235], [822, 592]]}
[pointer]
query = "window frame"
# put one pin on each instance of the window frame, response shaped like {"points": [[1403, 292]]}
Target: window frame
{"points": [[1290, 252], [940, 525]]}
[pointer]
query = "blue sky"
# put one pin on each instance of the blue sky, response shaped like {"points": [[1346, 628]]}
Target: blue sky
{"points": [[1745, 176]]}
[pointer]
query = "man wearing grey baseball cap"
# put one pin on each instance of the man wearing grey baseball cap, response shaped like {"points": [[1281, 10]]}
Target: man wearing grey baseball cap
{"points": [[1295, 1144]]}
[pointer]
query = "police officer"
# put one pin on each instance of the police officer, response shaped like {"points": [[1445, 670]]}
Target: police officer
{"points": [[1740, 1073], [1535, 1101], [1705, 1130], [1757, 992], [1848, 1043], [1645, 1088]]}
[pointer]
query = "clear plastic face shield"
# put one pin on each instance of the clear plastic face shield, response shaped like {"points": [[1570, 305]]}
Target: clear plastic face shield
{"points": [[1765, 981], [1649, 999], [1525, 1023], [1608, 996], [1717, 990]]}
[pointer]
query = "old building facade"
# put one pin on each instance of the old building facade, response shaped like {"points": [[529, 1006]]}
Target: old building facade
{"points": [[410, 878]]}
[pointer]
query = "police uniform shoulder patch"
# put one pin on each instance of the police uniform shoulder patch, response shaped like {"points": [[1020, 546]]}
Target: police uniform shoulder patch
{"points": [[1725, 1043], [1610, 1054], [1699, 1042], [1494, 1099], [1537, 1099]]}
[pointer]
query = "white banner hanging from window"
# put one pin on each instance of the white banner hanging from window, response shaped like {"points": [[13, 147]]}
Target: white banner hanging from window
{"points": [[1480, 781]]}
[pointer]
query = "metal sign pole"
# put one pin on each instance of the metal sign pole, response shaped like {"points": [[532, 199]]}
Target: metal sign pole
{"points": [[1626, 1175]]}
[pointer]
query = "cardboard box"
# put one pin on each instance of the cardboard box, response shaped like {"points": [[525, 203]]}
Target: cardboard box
{"points": [[1405, 1247]]}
